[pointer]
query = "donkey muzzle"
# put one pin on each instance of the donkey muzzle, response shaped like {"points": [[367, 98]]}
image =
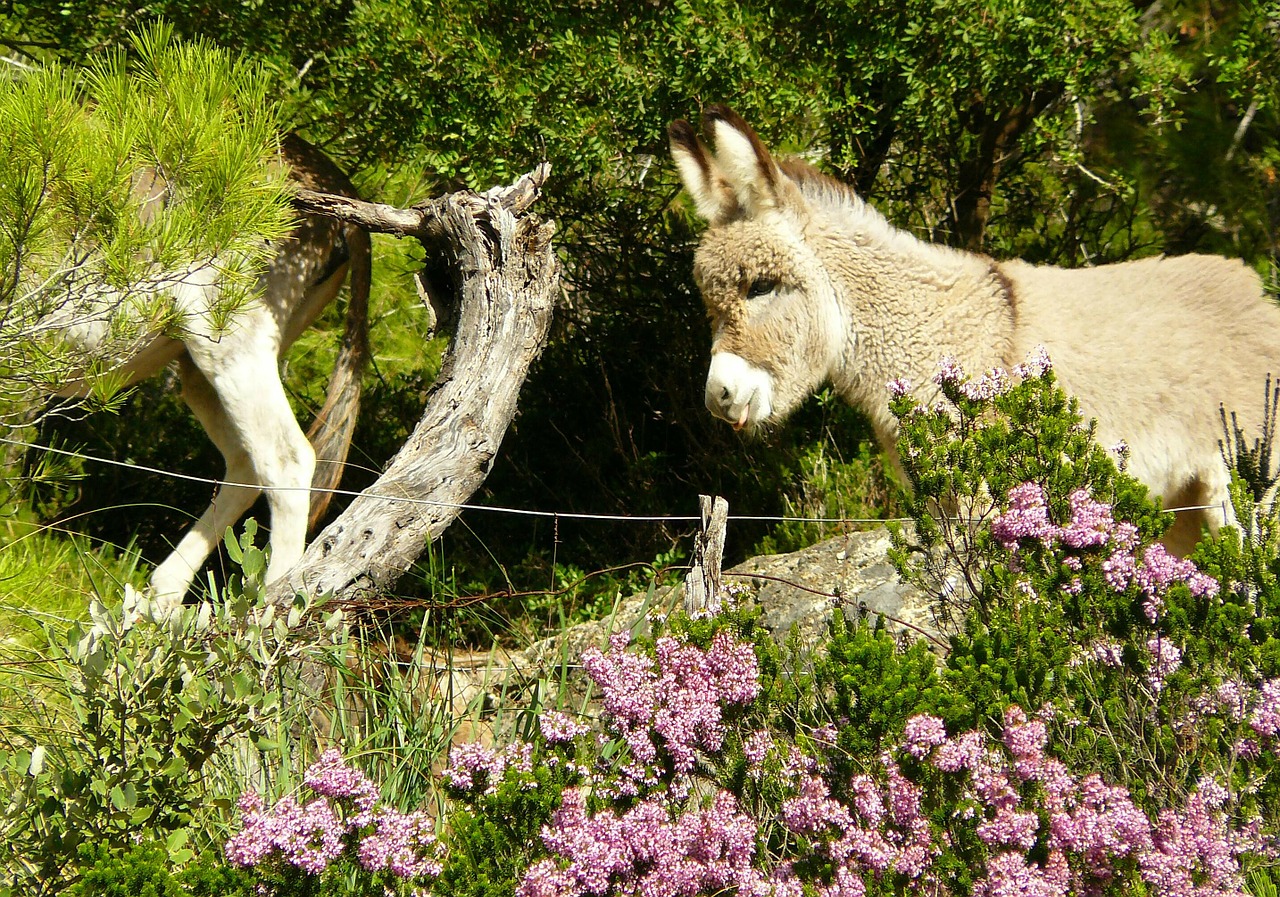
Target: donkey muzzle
{"points": [[738, 391]]}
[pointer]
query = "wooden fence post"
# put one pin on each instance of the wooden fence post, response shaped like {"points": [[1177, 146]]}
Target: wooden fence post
{"points": [[702, 585]]}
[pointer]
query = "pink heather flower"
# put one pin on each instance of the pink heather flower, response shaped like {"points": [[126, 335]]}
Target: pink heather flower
{"points": [[898, 387], [1026, 518], [1193, 853], [1214, 794], [1121, 451], [1107, 652], [1010, 828], [1125, 535], [756, 748], [332, 777], [1119, 569], [1247, 749], [1010, 875], [519, 756], [1091, 521], [904, 795], [474, 765], [1071, 562], [991, 384], [949, 371], [308, 836], [1024, 739], [677, 696], [558, 727], [1035, 366], [645, 851], [824, 734], [403, 844], [923, 733], [965, 752], [1265, 718], [813, 810], [796, 764], [1160, 569], [1152, 605], [845, 884], [1166, 657], [867, 800], [1230, 697]]}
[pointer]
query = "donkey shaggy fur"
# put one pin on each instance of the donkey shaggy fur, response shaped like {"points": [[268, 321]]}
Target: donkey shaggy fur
{"points": [[805, 284]]}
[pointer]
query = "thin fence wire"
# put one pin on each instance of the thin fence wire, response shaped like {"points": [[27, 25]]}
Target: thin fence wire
{"points": [[495, 509]]}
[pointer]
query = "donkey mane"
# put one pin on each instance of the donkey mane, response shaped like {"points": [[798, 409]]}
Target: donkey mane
{"points": [[839, 201]]}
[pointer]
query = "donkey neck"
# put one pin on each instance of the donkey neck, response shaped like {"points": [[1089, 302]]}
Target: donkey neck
{"points": [[907, 304]]}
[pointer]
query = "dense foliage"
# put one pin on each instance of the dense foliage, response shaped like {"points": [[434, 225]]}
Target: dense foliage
{"points": [[116, 181], [1103, 718]]}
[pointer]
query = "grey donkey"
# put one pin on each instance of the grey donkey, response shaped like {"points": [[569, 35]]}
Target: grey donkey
{"points": [[805, 283]]}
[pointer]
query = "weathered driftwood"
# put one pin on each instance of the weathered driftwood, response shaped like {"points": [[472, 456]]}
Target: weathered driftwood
{"points": [[500, 266]]}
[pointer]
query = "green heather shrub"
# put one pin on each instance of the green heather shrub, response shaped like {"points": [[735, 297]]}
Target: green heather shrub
{"points": [[1100, 717]]}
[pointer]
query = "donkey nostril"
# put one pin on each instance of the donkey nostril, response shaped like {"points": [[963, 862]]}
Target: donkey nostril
{"points": [[724, 394]]}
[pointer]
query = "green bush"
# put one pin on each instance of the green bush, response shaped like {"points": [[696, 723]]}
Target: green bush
{"points": [[141, 725]]}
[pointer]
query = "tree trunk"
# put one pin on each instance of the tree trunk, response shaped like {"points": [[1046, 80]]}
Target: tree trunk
{"points": [[998, 136], [504, 276]]}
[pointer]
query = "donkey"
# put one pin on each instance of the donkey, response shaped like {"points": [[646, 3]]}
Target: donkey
{"points": [[806, 283], [231, 380]]}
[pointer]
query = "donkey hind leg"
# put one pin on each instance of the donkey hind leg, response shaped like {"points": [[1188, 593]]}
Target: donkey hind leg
{"points": [[1207, 494], [242, 404], [170, 580]]}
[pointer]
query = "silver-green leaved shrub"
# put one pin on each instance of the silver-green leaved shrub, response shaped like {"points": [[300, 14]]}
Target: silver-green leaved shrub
{"points": [[144, 726]]}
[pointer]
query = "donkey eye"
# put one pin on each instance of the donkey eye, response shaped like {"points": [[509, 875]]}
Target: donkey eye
{"points": [[761, 286]]}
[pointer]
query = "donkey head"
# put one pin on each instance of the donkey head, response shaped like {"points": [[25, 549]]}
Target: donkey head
{"points": [[777, 328]]}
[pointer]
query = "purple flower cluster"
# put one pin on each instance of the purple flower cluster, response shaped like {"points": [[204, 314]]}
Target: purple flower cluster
{"points": [[403, 844], [986, 387], [755, 748], [309, 836], [1036, 365], [330, 776], [1086, 832], [1092, 524], [1265, 715], [898, 387], [1166, 657], [313, 835], [473, 765], [644, 851], [676, 696]]}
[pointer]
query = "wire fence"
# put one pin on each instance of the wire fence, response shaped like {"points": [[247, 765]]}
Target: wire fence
{"points": [[214, 482]]}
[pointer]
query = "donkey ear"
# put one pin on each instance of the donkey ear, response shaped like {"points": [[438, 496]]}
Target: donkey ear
{"points": [[712, 196], [744, 159]]}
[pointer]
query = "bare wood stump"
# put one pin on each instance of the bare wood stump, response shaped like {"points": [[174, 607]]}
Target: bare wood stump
{"points": [[500, 265]]}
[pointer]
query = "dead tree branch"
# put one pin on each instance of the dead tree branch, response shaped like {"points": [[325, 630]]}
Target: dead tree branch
{"points": [[499, 267]]}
